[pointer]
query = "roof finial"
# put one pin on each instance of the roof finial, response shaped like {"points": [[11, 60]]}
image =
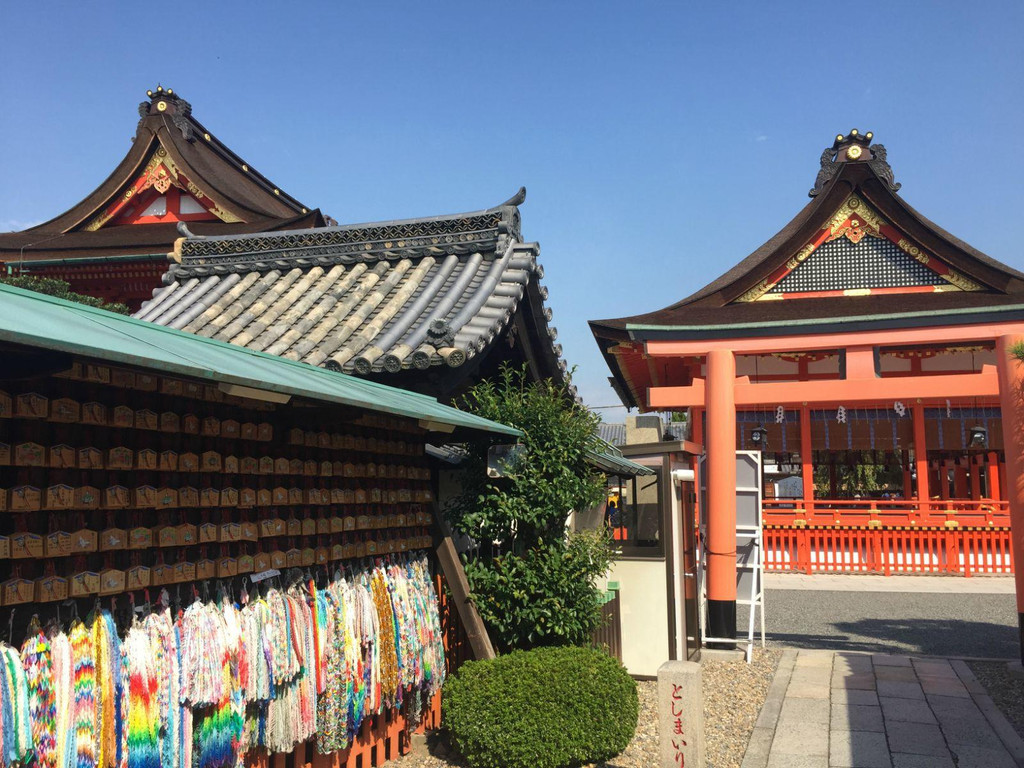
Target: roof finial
{"points": [[852, 148]]}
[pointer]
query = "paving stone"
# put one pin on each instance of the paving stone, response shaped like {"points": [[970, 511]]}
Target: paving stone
{"points": [[852, 696], [962, 722], [934, 668], [815, 658], [769, 712], [858, 749], [813, 675], [906, 711], [797, 711], [982, 757], [859, 661], [797, 761], [904, 760], [856, 718], [807, 691], [796, 739], [889, 660], [902, 674], [861, 681], [758, 748], [944, 686], [916, 738], [899, 689]]}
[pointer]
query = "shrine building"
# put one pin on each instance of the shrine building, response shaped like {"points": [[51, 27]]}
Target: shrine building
{"points": [[114, 243], [868, 353]]}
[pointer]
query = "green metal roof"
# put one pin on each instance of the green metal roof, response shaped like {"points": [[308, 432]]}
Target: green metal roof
{"points": [[36, 320], [610, 459]]}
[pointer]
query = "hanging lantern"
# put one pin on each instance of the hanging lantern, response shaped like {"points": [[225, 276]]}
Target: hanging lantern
{"points": [[759, 437], [978, 437]]}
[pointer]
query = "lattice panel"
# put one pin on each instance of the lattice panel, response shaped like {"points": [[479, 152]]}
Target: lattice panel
{"points": [[841, 265]]}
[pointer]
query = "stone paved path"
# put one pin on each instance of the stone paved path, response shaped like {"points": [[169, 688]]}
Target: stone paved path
{"points": [[848, 710]]}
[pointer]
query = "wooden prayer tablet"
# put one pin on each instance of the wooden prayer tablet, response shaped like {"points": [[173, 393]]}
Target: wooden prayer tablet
{"points": [[360, 444], [349, 470], [145, 497], [226, 567], [211, 427], [307, 557], [5, 547], [172, 386], [248, 431], [84, 583], [247, 498], [188, 462], [94, 414], [84, 541], [120, 458], [404, 495], [244, 564], [272, 527], [146, 419], [375, 495], [200, 570], [280, 496], [295, 467], [167, 498], [401, 472], [170, 422], [348, 523], [5, 454], [6, 406], [124, 417], [168, 461], [147, 459], [278, 559], [29, 455], [371, 444], [211, 461], [326, 469], [192, 389], [60, 496], [190, 424], [264, 498], [113, 539], [229, 497], [230, 428], [339, 552], [140, 538], [338, 469], [57, 544], [323, 440], [119, 377], [188, 535], [361, 496], [4, 496], [31, 405], [112, 581], [17, 591], [337, 441], [231, 465], [322, 555], [26, 545], [359, 549], [50, 589], [147, 382], [98, 374], [337, 496], [167, 536], [323, 526], [266, 466], [137, 577], [25, 498], [349, 442], [265, 432], [250, 531], [338, 524], [295, 496], [161, 574], [296, 436], [117, 497], [370, 470], [249, 465], [362, 522], [87, 497], [282, 466], [208, 532], [293, 527], [309, 526], [230, 532], [64, 410], [188, 497], [261, 562]]}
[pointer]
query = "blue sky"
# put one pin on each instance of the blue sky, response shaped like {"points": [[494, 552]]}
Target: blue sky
{"points": [[660, 143]]}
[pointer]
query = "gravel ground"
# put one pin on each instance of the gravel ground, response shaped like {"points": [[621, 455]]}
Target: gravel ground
{"points": [[728, 718], [931, 624], [1006, 690]]}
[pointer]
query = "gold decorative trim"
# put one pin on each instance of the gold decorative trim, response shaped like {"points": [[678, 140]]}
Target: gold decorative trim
{"points": [[951, 276]]}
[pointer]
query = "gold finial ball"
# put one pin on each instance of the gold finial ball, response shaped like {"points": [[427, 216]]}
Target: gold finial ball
{"points": [[169, 92], [305, 211], [853, 132], [868, 134], [206, 136], [149, 93], [277, 191], [245, 168], [159, 89], [839, 137]]}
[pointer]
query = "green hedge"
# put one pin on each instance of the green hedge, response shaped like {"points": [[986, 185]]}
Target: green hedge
{"points": [[543, 708]]}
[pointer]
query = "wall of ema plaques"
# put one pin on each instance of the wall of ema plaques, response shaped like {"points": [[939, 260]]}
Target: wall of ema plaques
{"points": [[113, 480]]}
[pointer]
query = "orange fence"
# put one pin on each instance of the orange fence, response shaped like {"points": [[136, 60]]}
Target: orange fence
{"points": [[814, 549], [951, 513]]}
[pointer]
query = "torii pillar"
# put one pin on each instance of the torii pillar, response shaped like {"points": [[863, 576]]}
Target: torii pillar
{"points": [[720, 401], [1011, 402]]}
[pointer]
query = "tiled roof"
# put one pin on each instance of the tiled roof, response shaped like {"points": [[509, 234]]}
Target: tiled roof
{"points": [[670, 430], [366, 298]]}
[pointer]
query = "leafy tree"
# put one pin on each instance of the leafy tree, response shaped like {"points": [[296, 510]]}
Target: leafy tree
{"points": [[533, 583], [62, 290]]}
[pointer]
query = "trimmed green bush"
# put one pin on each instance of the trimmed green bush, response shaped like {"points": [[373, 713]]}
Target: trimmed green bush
{"points": [[543, 708]]}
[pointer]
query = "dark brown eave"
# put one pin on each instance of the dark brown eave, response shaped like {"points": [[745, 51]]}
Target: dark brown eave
{"points": [[712, 304], [32, 245], [216, 170]]}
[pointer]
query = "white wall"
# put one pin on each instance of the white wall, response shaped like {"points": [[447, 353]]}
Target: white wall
{"points": [[643, 597]]}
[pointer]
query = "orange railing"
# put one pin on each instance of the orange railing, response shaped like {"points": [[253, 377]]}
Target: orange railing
{"points": [[887, 536], [872, 513]]}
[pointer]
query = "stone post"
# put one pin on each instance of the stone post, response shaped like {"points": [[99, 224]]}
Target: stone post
{"points": [[680, 715]]}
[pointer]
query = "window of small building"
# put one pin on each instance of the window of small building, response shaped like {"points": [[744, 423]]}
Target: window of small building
{"points": [[636, 514]]}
